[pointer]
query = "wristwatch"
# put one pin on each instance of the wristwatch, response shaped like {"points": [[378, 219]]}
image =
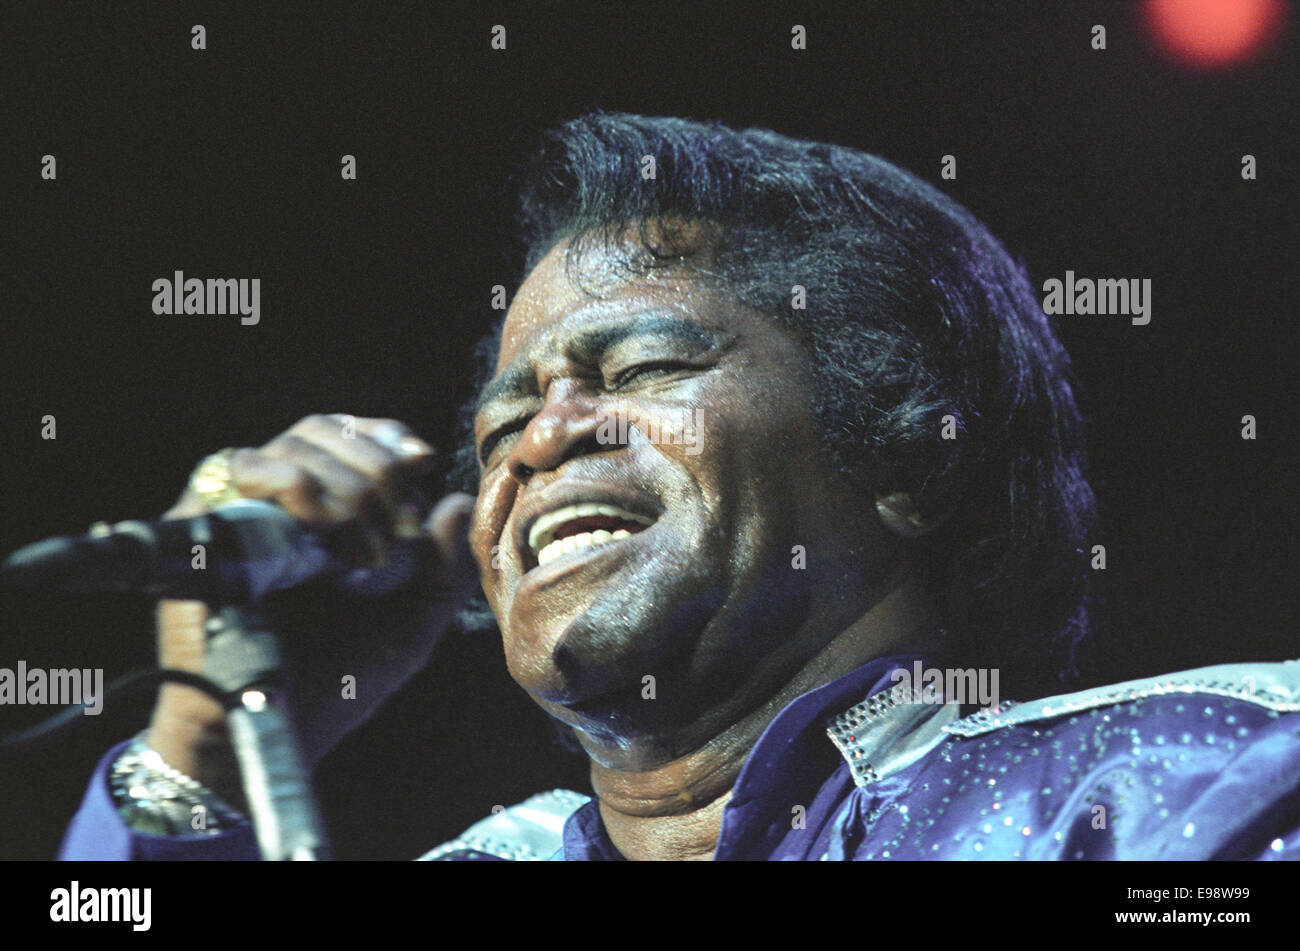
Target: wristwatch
{"points": [[154, 798]]}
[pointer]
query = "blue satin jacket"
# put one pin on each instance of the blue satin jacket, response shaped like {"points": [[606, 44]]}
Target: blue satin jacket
{"points": [[1203, 764]]}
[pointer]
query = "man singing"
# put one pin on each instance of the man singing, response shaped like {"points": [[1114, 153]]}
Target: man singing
{"points": [[882, 480]]}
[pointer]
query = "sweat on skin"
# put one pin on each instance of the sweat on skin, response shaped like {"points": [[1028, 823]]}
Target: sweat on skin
{"points": [[699, 593]]}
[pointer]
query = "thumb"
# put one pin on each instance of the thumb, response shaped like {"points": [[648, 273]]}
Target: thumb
{"points": [[447, 527]]}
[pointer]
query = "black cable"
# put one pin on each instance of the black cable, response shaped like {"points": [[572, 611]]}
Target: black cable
{"points": [[130, 683]]}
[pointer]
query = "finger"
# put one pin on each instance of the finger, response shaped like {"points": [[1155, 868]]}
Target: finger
{"points": [[346, 493], [258, 475], [391, 473], [394, 435], [350, 499], [396, 441], [448, 527], [255, 475], [413, 456]]}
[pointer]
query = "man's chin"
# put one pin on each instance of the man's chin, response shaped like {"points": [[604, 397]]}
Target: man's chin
{"points": [[574, 680], [622, 730], [593, 664], [575, 646]]}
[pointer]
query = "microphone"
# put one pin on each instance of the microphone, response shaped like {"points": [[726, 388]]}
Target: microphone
{"points": [[237, 553]]}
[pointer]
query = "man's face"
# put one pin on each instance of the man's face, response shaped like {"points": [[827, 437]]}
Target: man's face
{"points": [[679, 422]]}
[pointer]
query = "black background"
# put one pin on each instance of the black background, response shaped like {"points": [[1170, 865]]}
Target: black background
{"points": [[225, 162]]}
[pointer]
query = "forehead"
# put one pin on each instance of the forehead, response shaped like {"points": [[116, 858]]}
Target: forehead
{"points": [[558, 299]]}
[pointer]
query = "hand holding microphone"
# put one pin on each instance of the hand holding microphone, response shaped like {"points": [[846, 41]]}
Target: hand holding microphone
{"points": [[351, 482]]}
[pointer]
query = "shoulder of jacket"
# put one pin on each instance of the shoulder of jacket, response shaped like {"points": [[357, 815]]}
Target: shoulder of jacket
{"points": [[1273, 686], [532, 830]]}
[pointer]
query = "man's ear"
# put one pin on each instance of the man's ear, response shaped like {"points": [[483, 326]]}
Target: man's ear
{"points": [[899, 514]]}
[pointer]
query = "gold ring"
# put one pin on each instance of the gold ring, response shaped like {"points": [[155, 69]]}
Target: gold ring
{"points": [[212, 480]]}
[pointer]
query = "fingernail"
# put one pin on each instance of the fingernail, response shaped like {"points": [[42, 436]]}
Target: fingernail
{"points": [[410, 446]]}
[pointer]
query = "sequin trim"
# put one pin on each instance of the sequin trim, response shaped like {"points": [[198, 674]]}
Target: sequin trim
{"points": [[881, 735], [1273, 686], [531, 831]]}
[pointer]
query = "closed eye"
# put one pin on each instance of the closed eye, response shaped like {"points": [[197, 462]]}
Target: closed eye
{"points": [[491, 440], [640, 370]]}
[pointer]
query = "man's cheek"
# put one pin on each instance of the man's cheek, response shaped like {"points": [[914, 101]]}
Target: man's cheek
{"points": [[490, 555], [485, 550]]}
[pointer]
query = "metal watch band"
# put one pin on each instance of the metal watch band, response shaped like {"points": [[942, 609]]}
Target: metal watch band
{"points": [[154, 798]]}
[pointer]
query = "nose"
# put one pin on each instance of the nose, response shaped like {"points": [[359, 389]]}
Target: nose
{"points": [[565, 427]]}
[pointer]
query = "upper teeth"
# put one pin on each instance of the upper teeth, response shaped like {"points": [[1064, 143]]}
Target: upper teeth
{"points": [[582, 540], [541, 537]]}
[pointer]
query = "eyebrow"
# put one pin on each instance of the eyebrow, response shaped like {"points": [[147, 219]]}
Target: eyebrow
{"points": [[589, 345]]}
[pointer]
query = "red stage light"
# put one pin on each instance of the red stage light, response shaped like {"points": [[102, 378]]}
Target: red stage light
{"points": [[1212, 33]]}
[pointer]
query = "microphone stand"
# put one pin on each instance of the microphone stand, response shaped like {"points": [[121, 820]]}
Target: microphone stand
{"points": [[243, 657]]}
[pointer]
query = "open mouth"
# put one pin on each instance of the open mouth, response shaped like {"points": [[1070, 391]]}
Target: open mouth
{"points": [[580, 526]]}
